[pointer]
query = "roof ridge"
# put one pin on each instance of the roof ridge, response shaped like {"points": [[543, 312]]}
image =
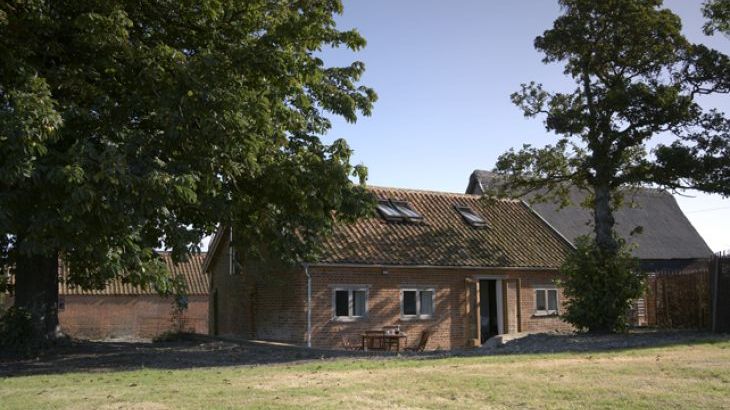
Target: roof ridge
{"points": [[645, 189], [439, 193]]}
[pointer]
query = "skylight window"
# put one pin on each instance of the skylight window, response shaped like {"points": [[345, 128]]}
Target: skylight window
{"points": [[405, 209], [388, 211], [470, 216], [392, 210]]}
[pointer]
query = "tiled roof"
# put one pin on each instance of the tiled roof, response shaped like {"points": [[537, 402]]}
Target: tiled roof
{"points": [[515, 237], [666, 231], [191, 271]]}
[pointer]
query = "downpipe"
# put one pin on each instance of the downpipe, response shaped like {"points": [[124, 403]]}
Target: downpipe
{"points": [[309, 304]]}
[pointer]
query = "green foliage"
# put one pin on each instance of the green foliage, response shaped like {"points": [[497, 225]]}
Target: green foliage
{"points": [[600, 287], [127, 126], [717, 13], [17, 333], [636, 77]]}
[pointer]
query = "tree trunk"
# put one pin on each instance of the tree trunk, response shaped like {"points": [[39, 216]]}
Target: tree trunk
{"points": [[36, 290], [603, 220]]}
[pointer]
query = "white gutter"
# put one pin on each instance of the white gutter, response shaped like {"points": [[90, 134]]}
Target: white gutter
{"points": [[309, 304]]}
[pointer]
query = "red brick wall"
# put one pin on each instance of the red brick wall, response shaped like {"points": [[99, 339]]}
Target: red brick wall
{"points": [[529, 321], [448, 322], [103, 317], [229, 297], [272, 306], [280, 296]]}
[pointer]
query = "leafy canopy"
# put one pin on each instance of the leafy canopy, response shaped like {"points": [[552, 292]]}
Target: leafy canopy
{"points": [[127, 126], [717, 13], [636, 77]]}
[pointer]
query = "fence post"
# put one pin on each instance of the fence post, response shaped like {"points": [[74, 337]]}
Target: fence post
{"points": [[716, 274]]}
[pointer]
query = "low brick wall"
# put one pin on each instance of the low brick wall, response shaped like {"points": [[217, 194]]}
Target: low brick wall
{"points": [[104, 317]]}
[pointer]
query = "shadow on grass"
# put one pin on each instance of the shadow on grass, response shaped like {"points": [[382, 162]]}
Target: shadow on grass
{"points": [[203, 351]]}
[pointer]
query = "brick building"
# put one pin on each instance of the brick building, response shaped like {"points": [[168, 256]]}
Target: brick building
{"points": [[130, 312], [650, 220], [463, 268]]}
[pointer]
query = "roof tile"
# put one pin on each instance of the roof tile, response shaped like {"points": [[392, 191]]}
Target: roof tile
{"points": [[516, 237]]}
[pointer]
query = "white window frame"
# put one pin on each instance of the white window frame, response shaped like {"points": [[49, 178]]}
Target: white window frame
{"points": [[350, 289], [418, 290], [547, 311]]}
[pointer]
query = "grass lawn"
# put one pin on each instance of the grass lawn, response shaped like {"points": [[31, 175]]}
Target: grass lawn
{"points": [[696, 376]]}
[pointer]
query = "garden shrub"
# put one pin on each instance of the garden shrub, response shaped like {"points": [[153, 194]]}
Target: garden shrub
{"points": [[17, 334], [600, 287]]}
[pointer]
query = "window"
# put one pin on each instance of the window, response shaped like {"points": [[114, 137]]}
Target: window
{"points": [[407, 211], [387, 211], [546, 302], [396, 211], [470, 216], [350, 302], [417, 302]]}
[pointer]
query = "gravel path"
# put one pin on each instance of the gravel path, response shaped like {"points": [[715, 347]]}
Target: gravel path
{"points": [[203, 351], [556, 342]]}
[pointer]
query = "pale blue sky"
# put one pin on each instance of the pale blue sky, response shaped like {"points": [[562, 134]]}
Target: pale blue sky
{"points": [[444, 71]]}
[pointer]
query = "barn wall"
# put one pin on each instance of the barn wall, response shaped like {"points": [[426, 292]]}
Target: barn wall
{"points": [[136, 317]]}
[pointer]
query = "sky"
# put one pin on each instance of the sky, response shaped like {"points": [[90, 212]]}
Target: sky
{"points": [[444, 70]]}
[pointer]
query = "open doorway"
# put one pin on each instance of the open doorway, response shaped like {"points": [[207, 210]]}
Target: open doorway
{"points": [[488, 309]]}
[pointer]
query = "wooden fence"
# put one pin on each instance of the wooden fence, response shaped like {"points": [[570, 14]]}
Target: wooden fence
{"points": [[697, 297], [720, 266], [679, 299]]}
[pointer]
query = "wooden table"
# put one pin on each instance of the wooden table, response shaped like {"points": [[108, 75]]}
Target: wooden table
{"points": [[388, 340]]}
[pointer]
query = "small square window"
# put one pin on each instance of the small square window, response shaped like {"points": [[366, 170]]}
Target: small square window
{"points": [[417, 303], [546, 302], [350, 302]]}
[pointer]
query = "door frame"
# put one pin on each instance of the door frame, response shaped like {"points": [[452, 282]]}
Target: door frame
{"points": [[500, 300]]}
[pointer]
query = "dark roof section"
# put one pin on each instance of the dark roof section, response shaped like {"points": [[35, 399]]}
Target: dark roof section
{"points": [[515, 237], [667, 233], [191, 271]]}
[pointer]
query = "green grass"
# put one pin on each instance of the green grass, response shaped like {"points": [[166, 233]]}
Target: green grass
{"points": [[696, 376]]}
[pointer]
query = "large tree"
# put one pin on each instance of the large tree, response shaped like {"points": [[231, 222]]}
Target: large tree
{"points": [[717, 13], [129, 126], [637, 77]]}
